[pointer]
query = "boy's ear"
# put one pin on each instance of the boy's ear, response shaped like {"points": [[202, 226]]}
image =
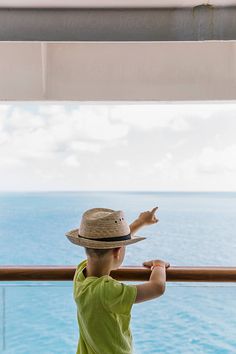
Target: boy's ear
{"points": [[116, 251]]}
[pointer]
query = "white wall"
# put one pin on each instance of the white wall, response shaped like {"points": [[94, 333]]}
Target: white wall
{"points": [[114, 71]]}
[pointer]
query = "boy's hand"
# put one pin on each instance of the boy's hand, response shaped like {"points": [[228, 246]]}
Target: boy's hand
{"points": [[148, 217], [149, 264]]}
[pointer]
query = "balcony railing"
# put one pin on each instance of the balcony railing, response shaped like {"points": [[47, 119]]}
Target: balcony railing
{"points": [[41, 317], [131, 273]]}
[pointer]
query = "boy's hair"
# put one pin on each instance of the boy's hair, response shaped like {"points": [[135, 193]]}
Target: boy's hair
{"points": [[97, 252]]}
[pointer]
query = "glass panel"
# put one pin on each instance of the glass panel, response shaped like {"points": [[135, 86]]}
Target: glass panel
{"points": [[187, 319], [41, 318]]}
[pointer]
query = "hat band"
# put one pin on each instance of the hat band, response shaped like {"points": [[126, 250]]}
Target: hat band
{"points": [[109, 239]]}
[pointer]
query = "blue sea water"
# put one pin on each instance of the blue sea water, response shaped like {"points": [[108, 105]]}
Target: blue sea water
{"points": [[194, 229]]}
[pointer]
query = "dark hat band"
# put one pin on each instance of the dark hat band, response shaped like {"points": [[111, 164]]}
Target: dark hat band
{"points": [[109, 239]]}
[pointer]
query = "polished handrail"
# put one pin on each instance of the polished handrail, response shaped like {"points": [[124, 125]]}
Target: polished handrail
{"points": [[130, 273]]}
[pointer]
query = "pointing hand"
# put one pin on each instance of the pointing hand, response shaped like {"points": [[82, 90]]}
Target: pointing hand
{"points": [[148, 217]]}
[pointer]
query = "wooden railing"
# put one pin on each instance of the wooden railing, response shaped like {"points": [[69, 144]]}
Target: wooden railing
{"points": [[65, 273]]}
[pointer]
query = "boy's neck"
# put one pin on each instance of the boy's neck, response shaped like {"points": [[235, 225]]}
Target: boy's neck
{"points": [[97, 269]]}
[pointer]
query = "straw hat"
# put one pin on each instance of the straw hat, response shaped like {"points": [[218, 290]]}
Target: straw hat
{"points": [[103, 228]]}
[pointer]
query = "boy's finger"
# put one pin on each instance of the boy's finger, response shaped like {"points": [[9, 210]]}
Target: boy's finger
{"points": [[154, 209]]}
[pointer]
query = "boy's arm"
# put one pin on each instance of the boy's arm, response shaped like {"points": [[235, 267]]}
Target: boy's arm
{"points": [[135, 226], [155, 287], [145, 218]]}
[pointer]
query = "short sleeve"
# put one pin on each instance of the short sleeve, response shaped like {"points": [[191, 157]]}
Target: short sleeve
{"points": [[79, 276], [119, 297]]}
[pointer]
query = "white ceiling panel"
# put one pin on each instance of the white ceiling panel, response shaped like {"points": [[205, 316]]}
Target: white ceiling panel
{"points": [[20, 71], [118, 71]]}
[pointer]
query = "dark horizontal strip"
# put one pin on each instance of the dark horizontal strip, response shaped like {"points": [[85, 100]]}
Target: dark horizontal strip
{"points": [[202, 22], [65, 273], [109, 239]]}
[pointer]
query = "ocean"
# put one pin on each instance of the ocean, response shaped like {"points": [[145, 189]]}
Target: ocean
{"points": [[195, 229]]}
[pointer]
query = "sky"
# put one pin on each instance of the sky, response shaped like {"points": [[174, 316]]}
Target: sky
{"points": [[133, 147]]}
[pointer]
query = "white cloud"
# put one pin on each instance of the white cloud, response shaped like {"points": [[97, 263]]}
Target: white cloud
{"points": [[163, 147], [147, 117], [174, 116], [10, 162], [122, 163], [23, 121], [4, 137], [4, 108], [164, 163], [72, 161], [50, 109], [53, 129], [217, 161], [94, 123], [85, 146]]}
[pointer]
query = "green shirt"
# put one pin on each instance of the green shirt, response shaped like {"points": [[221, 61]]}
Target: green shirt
{"points": [[103, 313]]}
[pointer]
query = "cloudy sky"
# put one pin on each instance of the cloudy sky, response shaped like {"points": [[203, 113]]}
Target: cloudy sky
{"points": [[159, 147]]}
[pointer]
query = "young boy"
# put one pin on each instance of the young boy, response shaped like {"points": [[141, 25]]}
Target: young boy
{"points": [[104, 304]]}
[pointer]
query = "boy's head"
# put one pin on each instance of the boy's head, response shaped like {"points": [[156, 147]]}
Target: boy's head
{"points": [[113, 256], [106, 230]]}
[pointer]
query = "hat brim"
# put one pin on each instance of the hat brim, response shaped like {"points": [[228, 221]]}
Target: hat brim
{"points": [[73, 236]]}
